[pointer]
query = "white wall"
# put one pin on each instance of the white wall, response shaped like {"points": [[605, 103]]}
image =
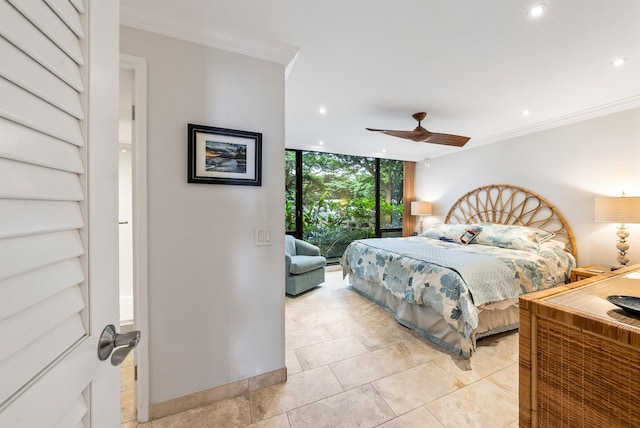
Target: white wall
{"points": [[569, 166], [216, 301]]}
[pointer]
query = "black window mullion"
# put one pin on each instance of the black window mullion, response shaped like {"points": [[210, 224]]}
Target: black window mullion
{"points": [[377, 191], [299, 231]]}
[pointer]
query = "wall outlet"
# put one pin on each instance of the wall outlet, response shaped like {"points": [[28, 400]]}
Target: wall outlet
{"points": [[263, 236]]}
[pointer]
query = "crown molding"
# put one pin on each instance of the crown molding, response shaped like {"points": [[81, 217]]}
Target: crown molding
{"points": [[217, 37], [579, 116]]}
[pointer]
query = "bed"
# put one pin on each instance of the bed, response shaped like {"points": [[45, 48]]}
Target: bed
{"points": [[460, 280]]}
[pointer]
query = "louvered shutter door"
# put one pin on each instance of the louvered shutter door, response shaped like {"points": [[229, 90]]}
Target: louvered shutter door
{"points": [[43, 287]]}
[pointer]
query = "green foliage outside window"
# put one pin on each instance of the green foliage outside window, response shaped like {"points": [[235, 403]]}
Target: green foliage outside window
{"points": [[339, 203]]}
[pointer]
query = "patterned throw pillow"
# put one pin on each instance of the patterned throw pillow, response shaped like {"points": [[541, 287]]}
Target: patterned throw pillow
{"points": [[512, 237], [457, 233]]}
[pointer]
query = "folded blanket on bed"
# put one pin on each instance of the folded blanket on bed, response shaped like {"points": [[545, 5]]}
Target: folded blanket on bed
{"points": [[489, 279]]}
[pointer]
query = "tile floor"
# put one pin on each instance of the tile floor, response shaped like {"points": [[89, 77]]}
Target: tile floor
{"points": [[350, 364], [127, 391]]}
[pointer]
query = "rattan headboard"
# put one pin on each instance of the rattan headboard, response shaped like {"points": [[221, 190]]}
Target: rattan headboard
{"points": [[506, 204]]}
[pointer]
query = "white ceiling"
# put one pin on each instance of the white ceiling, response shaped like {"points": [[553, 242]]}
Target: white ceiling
{"points": [[472, 65]]}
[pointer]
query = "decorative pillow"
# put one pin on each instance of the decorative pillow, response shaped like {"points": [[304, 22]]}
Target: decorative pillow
{"points": [[513, 237], [436, 230], [457, 233]]}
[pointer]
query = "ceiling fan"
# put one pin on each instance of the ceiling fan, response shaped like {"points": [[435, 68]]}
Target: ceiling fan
{"points": [[422, 135]]}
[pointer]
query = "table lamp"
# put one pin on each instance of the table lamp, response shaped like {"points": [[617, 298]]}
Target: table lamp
{"points": [[621, 210], [420, 208]]}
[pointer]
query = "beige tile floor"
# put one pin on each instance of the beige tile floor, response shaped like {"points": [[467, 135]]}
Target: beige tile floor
{"points": [[127, 391], [350, 364]]}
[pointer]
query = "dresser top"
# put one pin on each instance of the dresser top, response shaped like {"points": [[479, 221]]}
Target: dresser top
{"points": [[591, 299]]}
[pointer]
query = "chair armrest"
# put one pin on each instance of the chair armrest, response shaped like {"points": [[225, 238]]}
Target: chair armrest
{"points": [[304, 248], [287, 263]]}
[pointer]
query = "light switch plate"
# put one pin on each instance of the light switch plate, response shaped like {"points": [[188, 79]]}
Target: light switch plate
{"points": [[263, 236]]}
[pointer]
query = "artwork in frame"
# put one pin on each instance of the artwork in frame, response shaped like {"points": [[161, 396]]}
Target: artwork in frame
{"points": [[224, 156]]}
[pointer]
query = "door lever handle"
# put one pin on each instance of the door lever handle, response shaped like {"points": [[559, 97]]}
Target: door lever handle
{"points": [[110, 340]]}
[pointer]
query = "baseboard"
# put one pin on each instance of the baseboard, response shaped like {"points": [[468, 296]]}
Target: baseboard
{"points": [[213, 395]]}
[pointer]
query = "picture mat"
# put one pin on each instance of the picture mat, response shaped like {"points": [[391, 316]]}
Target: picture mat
{"points": [[201, 158]]}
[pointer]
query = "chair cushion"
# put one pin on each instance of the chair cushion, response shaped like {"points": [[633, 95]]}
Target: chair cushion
{"points": [[302, 264]]}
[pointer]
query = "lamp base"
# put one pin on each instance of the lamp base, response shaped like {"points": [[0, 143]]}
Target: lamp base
{"points": [[622, 245]]}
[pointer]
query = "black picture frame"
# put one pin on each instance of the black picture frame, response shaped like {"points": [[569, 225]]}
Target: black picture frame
{"points": [[223, 156]]}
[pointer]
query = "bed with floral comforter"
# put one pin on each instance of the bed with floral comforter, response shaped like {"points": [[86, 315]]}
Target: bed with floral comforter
{"points": [[455, 271]]}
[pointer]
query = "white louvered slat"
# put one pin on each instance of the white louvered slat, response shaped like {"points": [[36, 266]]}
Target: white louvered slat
{"points": [[73, 416], [49, 23], [78, 5], [28, 74], [68, 14], [22, 414], [27, 217], [21, 255], [39, 353], [20, 106], [19, 31], [27, 145], [28, 325], [20, 292], [21, 180]]}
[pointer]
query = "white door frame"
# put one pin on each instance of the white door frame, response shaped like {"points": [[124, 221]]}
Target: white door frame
{"points": [[139, 216]]}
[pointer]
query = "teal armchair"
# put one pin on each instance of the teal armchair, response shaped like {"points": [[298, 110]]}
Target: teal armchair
{"points": [[304, 266]]}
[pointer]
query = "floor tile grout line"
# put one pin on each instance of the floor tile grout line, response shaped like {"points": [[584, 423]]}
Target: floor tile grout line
{"points": [[369, 352]]}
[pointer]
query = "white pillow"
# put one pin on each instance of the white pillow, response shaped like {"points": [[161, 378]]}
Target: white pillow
{"points": [[512, 236]]}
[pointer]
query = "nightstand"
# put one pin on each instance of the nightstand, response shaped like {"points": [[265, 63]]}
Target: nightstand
{"points": [[584, 272]]}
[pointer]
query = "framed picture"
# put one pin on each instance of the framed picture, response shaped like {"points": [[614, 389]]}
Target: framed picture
{"points": [[224, 156]]}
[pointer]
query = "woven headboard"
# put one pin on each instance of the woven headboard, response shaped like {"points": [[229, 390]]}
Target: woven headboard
{"points": [[506, 204]]}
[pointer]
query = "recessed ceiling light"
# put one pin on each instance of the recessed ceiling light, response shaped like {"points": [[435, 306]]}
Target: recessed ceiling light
{"points": [[321, 142], [322, 110], [536, 10], [384, 150], [525, 112], [618, 62]]}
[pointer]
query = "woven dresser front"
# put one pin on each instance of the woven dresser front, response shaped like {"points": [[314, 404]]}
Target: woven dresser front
{"points": [[580, 356], [584, 380]]}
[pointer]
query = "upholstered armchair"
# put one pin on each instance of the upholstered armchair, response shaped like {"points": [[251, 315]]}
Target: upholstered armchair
{"points": [[304, 266]]}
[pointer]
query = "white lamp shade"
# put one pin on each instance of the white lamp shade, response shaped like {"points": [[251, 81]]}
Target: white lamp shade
{"points": [[420, 208], [623, 209]]}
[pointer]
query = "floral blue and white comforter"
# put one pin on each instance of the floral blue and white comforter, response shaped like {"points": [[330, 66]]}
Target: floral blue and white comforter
{"points": [[453, 279]]}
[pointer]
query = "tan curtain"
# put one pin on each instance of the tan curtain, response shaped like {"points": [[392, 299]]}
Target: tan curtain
{"points": [[408, 196]]}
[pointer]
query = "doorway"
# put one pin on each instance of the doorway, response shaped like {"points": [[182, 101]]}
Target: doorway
{"points": [[132, 146], [125, 199]]}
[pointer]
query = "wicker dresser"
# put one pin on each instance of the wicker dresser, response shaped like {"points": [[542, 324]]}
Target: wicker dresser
{"points": [[580, 355]]}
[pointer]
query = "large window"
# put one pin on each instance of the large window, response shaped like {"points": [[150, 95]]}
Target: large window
{"points": [[333, 199]]}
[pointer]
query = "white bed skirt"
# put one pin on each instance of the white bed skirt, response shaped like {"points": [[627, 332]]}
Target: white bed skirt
{"points": [[493, 318]]}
